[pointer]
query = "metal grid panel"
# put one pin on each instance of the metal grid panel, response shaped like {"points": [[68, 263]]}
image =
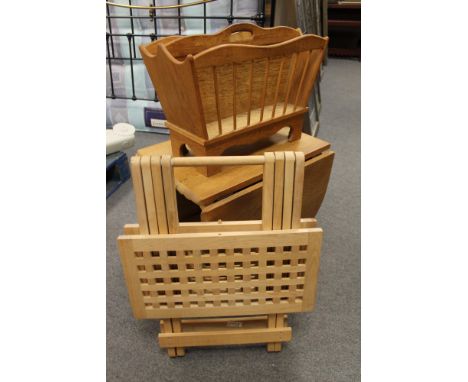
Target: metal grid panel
{"points": [[128, 42]]}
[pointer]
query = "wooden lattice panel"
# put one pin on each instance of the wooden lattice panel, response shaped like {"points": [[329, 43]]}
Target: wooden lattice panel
{"points": [[221, 274], [176, 271]]}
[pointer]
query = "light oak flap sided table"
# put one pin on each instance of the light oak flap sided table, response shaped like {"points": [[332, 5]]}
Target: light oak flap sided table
{"points": [[235, 193]]}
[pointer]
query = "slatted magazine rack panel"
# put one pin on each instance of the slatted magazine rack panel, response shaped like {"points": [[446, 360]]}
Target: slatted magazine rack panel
{"points": [[243, 83], [221, 282]]}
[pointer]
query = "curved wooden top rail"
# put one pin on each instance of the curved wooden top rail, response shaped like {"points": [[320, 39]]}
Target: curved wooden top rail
{"points": [[224, 53], [240, 52], [235, 34], [181, 46], [150, 50]]}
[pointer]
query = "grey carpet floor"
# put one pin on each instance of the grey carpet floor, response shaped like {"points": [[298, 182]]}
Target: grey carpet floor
{"points": [[326, 342]]}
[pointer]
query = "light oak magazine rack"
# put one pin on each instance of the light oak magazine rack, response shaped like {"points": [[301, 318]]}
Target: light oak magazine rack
{"points": [[220, 283], [231, 88]]}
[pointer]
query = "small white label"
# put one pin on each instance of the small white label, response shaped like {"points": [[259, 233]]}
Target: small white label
{"points": [[234, 324], [158, 122]]}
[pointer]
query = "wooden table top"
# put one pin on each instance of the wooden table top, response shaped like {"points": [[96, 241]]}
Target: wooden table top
{"points": [[205, 190]]}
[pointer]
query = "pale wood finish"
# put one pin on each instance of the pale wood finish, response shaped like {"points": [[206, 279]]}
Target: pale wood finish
{"points": [[166, 327], [225, 337], [220, 226], [240, 84], [153, 183], [199, 270]]}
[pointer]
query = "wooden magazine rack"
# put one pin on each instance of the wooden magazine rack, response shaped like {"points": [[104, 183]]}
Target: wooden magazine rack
{"points": [[234, 87], [220, 283]]}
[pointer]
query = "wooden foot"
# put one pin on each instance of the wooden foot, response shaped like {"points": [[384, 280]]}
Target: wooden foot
{"points": [[166, 327], [279, 324], [172, 326], [179, 148], [276, 321], [177, 328], [296, 124], [271, 347]]}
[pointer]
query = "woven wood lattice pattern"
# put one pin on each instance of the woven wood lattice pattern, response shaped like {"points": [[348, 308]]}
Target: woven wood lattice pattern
{"points": [[259, 271]]}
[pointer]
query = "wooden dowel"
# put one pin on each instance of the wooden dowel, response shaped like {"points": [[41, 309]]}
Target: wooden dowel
{"points": [[278, 82], [217, 161], [265, 82], [250, 91], [215, 81], [304, 71], [292, 70], [234, 90]]}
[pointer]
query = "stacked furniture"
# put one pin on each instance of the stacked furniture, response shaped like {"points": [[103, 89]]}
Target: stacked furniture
{"points": [[232, 277], [220, 283]]}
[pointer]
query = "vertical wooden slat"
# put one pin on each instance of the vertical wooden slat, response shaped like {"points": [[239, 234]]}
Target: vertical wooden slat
{"points": [[139, 194], [177, 328], [298, 189], [283, 204], [279, 324], [293, 276], [156, 172], [271, 324], [265, 85], [230, 277], [127, 255], [304, 71], [279, 188], [278, 82], [262, 265], [289, 204], [152, 220], [312, 269], [166, 327], [166, 280], [169, 194], [234, 94], [250, 91], [278, 274], [183, 279], [149, 195], [268, 190], [142, 212], [248, 277], [214, 279], [289, 183], [292, 71], [218, 112], [198, 277], [284, 184]]}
